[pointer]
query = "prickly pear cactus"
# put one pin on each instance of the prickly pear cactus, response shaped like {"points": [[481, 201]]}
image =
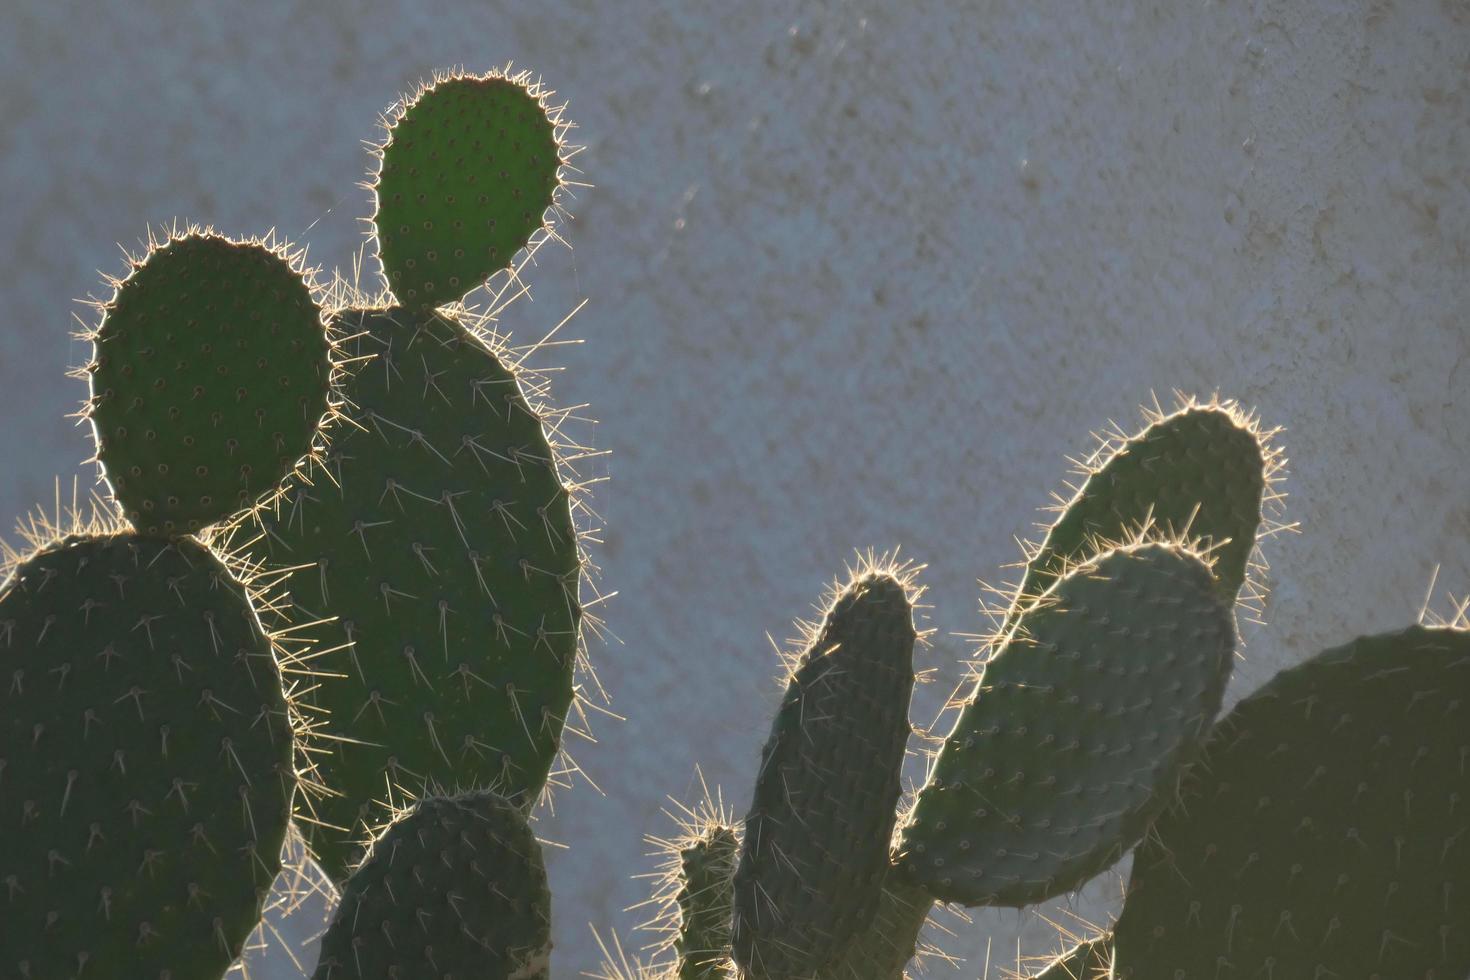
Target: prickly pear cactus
{"points": [[440, 529], [1326, 831], [467, 174], [455, 887], [705, 898], [209, 379], [1076, 731], [443, 543], [1202, 472], [815, 846], [146, 761]]}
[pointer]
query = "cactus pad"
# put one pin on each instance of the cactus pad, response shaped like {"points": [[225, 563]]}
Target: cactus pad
{"points": [[469, 169], [146, 762], [1326, 831], [1076, 731], [455, 888], [1202, 471], [815, 849], [445, 546], [210, 375], [706, 873]]}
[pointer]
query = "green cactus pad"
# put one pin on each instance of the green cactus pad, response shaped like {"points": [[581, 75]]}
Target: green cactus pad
{"points": [[884, 949], [209, 376], [1091, 960], [815, 848], [469, 168], [455, 888], [705, 898], [1076, 731], [445, 546], [1326, 830], [146, 762], [1204, 468]]}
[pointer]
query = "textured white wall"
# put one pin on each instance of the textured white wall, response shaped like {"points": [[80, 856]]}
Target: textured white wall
{"points": [[860, 275]]}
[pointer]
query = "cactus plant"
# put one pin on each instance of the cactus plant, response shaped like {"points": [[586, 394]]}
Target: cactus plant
{"points": [[146, 757], [439, 522], [453, 887], [150, 749]]}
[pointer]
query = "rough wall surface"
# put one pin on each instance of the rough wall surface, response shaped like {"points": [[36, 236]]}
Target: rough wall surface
{"points": [[861, 274]]}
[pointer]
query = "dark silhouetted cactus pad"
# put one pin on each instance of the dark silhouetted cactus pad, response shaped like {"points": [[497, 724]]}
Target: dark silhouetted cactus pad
{"points": [[1325, 831], [1076, 732], [146, 762]]}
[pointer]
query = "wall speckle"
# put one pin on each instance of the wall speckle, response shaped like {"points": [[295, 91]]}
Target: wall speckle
{"points": [[860, 274]]}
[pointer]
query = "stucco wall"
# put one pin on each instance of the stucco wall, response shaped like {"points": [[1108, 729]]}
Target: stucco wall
{"points": [[860, 274]]}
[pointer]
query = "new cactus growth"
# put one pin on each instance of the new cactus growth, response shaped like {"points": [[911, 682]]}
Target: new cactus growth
{"points": [[146, 760], [1324, 833], [469, 170], [705, 898], [815, 846], [453, 888], [209, 379]]}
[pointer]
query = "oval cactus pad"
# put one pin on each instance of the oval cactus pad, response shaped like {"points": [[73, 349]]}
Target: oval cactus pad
{"points": [[1076, 731], [210, 376], [470, 166], [146, 762]]}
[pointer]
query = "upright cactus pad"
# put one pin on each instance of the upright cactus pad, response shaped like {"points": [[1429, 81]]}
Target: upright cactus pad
{"points": [[705, 899], [815, 849], [146, 762], [444, 544], [209, 377], [469, 169], [1326, 831], [1076, 731], [1203, 471], [454, 889]]}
